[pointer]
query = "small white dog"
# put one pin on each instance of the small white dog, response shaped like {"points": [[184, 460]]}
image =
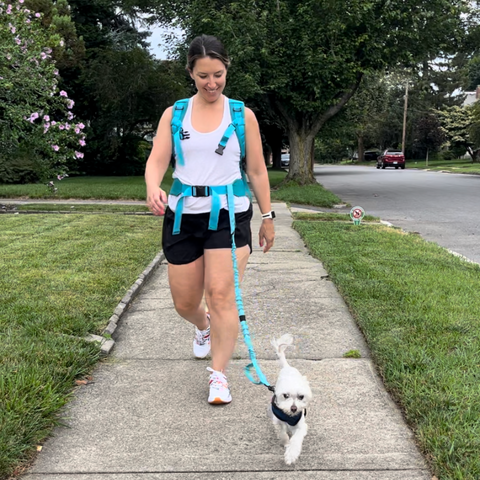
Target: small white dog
{"points": [[289, 403]]}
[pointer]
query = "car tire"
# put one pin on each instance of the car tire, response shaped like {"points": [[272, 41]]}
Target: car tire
{"points": [[383, 166], [378, 166], [403, 167], [396, 168]]}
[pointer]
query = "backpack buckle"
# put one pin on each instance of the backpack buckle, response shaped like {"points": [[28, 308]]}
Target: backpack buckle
{"points": [[200, 191]]}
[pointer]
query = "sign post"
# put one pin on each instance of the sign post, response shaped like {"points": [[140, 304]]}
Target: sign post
{"points": [[356, 214]]}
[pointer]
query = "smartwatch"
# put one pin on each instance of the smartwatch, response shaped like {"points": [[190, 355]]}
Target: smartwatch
{"points": [[270, 214]]}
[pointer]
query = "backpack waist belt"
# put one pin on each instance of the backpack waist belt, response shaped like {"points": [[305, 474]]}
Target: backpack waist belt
{"points": [[236, 189]]}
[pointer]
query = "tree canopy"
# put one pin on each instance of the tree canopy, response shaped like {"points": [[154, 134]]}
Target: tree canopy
{"points": [[306, 58]]}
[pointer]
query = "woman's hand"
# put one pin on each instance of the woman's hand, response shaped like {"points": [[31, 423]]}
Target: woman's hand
{"points": [[156, 201], [266, 235]]}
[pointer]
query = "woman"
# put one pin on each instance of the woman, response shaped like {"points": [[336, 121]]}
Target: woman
{"points": [[200, 259]]}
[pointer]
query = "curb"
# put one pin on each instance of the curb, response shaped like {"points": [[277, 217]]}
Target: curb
{"points": [[107, 344]]}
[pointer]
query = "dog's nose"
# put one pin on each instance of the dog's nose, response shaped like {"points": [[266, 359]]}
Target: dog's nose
{"points": [[293, 408]]}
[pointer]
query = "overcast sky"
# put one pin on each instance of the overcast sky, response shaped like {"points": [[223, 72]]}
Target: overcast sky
{"points": [[156, 41]]}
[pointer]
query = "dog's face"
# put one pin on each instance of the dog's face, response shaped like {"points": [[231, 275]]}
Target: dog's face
{"points": [[292, 393]]}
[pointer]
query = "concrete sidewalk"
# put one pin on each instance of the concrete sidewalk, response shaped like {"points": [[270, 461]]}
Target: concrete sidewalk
{"points": [[146, 417]]}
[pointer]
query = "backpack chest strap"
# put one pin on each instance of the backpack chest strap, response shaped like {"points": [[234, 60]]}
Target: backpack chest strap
{"points": [[236, 189]]}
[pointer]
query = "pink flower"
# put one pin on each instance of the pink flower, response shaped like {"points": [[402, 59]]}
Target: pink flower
{"points": [[70, 104], [54, 123], [55, 72], [27, 20], [61, 126], [82, 142], [70, 115], [9, 9], [81, 126], [46, 118], [46, 126], [37, 15], [63, 93], [62, 43], [67, 126], [13, 29], [78, 154], [56, 147], [43, 55], [77, 130]]}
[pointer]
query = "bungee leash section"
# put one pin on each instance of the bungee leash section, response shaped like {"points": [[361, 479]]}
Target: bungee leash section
{"points": [[253, 365]]}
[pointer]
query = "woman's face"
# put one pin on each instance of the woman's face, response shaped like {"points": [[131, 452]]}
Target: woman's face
{"points": [[210, 76]]}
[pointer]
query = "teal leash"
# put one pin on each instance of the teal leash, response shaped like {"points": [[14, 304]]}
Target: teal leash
{"points": [[253, 366]]}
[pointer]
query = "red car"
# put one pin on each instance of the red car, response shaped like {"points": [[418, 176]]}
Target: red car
{"points": [[391, 158]]}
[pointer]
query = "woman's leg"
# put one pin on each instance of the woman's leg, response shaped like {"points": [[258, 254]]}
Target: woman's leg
{"points": [[220, 296], [187, 287]]}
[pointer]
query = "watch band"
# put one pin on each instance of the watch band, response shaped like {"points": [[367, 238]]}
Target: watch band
{"points": [[270, 214]]}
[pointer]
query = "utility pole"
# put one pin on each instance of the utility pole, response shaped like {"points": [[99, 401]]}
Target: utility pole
{"points": [[405, 119]]}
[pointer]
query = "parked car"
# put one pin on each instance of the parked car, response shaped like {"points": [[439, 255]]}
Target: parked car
{"points": [[285, 160], [391, 158], [371, 155]]}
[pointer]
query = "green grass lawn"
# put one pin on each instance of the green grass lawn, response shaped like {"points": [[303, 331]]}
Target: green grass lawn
{"points": [[133, 188], [454, 166], [62, 276], [79, 208], [418, 308]]}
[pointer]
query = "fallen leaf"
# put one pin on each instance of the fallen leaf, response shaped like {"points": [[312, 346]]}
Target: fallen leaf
{"points": [[39, 448], [81, 382]]}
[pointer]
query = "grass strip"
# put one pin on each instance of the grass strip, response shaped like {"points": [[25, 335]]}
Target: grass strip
{"points": [[315, 195], [331, 217], [418, 308], [62, 276], [78, 208]]}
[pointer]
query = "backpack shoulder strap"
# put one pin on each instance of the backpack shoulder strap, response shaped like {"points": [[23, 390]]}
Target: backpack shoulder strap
{"points": [[178, 114], [237, 112]]}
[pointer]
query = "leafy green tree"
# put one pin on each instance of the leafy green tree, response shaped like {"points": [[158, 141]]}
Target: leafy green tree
{"points": [[307, 57], [130, 91], [33, 112], [456, 124], [429, 135]]}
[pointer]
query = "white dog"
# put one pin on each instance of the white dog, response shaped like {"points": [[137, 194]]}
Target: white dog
{"points": [[289, 403]]}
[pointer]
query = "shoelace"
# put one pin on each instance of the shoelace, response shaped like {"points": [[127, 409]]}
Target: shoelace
{"points": [[202, 336], [217, 379]]}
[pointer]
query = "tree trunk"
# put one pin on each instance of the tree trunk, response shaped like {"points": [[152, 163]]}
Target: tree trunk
{"points": [[361, 149], [301, 149], [274, 139]]}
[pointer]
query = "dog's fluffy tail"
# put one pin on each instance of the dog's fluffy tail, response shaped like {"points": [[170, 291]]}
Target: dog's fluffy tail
{"points": [[280, 346]]}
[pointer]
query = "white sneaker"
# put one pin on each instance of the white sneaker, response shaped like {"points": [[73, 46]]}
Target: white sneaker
{"points": [[219, 391], [201, 342]]}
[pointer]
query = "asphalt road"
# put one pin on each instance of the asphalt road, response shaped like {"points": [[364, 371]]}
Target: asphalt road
{"points": [[443, 208]]}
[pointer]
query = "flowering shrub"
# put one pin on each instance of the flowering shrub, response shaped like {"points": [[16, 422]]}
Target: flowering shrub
{"points": [[32, 109]]}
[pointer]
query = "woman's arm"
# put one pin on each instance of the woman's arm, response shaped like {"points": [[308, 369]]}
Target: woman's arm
{"points": [[258, 177], [157, 164]]}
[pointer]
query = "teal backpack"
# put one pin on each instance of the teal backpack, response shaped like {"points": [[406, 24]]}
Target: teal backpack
{"points": [[238, 188]]}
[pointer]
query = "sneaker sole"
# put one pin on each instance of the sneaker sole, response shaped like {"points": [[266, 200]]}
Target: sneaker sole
{"points": [[218, 401], [202, 356]]}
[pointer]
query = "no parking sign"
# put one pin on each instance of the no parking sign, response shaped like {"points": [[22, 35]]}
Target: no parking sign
{"points": [[356, 214]]}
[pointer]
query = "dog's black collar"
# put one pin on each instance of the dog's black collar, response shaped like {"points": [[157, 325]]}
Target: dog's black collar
{"points": [[292, 421]]}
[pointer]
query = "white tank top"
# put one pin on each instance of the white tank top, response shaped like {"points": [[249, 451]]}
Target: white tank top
{"points": [[205, 167]]}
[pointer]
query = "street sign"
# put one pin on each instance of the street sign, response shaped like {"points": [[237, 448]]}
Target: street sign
{"points": [[356, 214]]}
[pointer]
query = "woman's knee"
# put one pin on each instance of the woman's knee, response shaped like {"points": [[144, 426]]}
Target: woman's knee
{"points": [[221, 297]]}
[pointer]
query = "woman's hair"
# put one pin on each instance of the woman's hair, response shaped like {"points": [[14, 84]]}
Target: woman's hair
{"points": [[206, 46]]}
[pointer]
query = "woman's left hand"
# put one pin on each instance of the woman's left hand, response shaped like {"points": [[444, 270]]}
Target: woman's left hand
{"points": [[266, 235]]}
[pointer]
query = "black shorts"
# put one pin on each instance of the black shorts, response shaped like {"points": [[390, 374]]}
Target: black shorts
{"points": [[195, 237]]}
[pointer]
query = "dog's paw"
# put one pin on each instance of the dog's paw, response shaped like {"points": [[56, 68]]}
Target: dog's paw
{"points": [[292, 452]]}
